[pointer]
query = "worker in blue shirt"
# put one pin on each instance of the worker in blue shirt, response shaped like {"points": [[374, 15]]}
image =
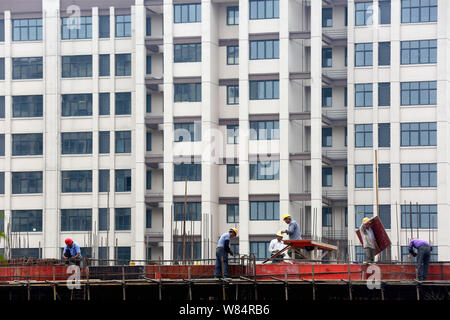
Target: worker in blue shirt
{"points": [[222, 251], [71, 250], [293, 231]]}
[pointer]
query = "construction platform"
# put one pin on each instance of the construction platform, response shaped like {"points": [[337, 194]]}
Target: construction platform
{"points": [[306, 280]]}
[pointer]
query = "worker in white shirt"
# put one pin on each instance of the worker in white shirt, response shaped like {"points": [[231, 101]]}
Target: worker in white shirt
{"points": [[369, 242], [275, 246]]}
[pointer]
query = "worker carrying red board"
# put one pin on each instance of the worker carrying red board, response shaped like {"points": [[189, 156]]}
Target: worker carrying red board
{"points": [[373, 237]]}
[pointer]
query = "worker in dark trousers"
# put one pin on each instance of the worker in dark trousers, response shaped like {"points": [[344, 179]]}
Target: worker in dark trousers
{"points": [[423, 256], [222, 251], [72, 252]]}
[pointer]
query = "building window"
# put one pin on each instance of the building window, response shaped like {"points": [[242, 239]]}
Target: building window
{"points": [[406, 257], [232, 213], [384, 7], [264, 89], [123, 103], [265, 170], [76, 219], [103, 65], [123, 65], [260, 249], [28, 144], [103, 180], [345, 139], [104, 104], [27, 182], [233, 15], [361, 212], [363, 54], [188, 92], [265, 130], [148, 26], [232, 55], [327, 217], [327, 137], [76, 28], [103, 142], [327, 17], [188, 52], [384, 212], [384, 175], [76, 181], [123, 180], [418, 134], [103, 220], [363, 136], [122, 219], [264, 9], [384, 53], [327, 57], [418, 93], [148, 218], [148, 180], [327, 177], [187, 13], [419, 175], [2, 191], [414, 11], [26, 220], [2, 30], [364, 176], [189, 253], [27, 106], [232, 173], [27, 68], [123, 141], [363, 95], [264, 210], [419, 52], [103, 27], [148, 141], [384, 94], [363, 13], [327, 97], [26, 29], [76, 105], [2, 68], [193, 211], [185, 132], [345, 178], [2, 107], [2, 144], [423, 216], [187, 172], [232, 134], [264, 49], [148, 103], [26, 252], [76, 143], [384, 135], [123, 26], [123, 255], [232, 94]]}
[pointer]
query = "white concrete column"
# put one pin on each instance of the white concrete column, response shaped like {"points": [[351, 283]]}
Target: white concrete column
{"points": [[316, 118]]}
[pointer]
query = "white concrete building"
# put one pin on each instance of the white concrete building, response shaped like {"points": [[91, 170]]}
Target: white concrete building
{"points": [[114, 114]]}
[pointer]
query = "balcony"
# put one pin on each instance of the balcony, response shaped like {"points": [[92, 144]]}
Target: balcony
{"points": [[335, 77], [154, 122], [334, 117], [335, 197], [155, 161], [154, 199], [338, 157], [335, 37]]}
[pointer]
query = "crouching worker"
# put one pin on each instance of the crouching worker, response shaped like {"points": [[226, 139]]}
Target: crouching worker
{"points": [[222, 251], [275, 246], [72, 251], [423, 256]]}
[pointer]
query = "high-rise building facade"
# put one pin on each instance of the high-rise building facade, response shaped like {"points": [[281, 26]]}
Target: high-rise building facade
{"points": [[137, 126]]}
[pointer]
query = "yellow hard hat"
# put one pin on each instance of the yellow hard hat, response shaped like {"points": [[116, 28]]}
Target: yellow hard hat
{"points": [[365, 220], [234, 230], [279, 234], [286, 216]]}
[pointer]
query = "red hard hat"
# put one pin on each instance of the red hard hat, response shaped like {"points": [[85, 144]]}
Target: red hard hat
{"points": [[68, 241]]}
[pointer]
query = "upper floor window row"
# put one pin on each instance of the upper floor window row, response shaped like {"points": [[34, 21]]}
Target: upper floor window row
{"points": [[76, 28], [187, 52], [27, 68], [264, 49], [76, 66], [414, 11], [419, 52], [188, 92], [187, 13], [233, 15], [264, 9], [418, 93], [27, 29], [264, 89]]}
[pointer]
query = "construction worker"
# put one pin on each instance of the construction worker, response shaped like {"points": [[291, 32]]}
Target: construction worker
{"points": [[423, 256], [275, 246], [71, 251], [293, 230], [368, 239], [222, 251]]}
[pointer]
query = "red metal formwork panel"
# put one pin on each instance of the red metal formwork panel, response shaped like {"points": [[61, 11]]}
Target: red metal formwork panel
{"points": [[381, 237], [305, 271], [184, 271], [42, 273]]}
